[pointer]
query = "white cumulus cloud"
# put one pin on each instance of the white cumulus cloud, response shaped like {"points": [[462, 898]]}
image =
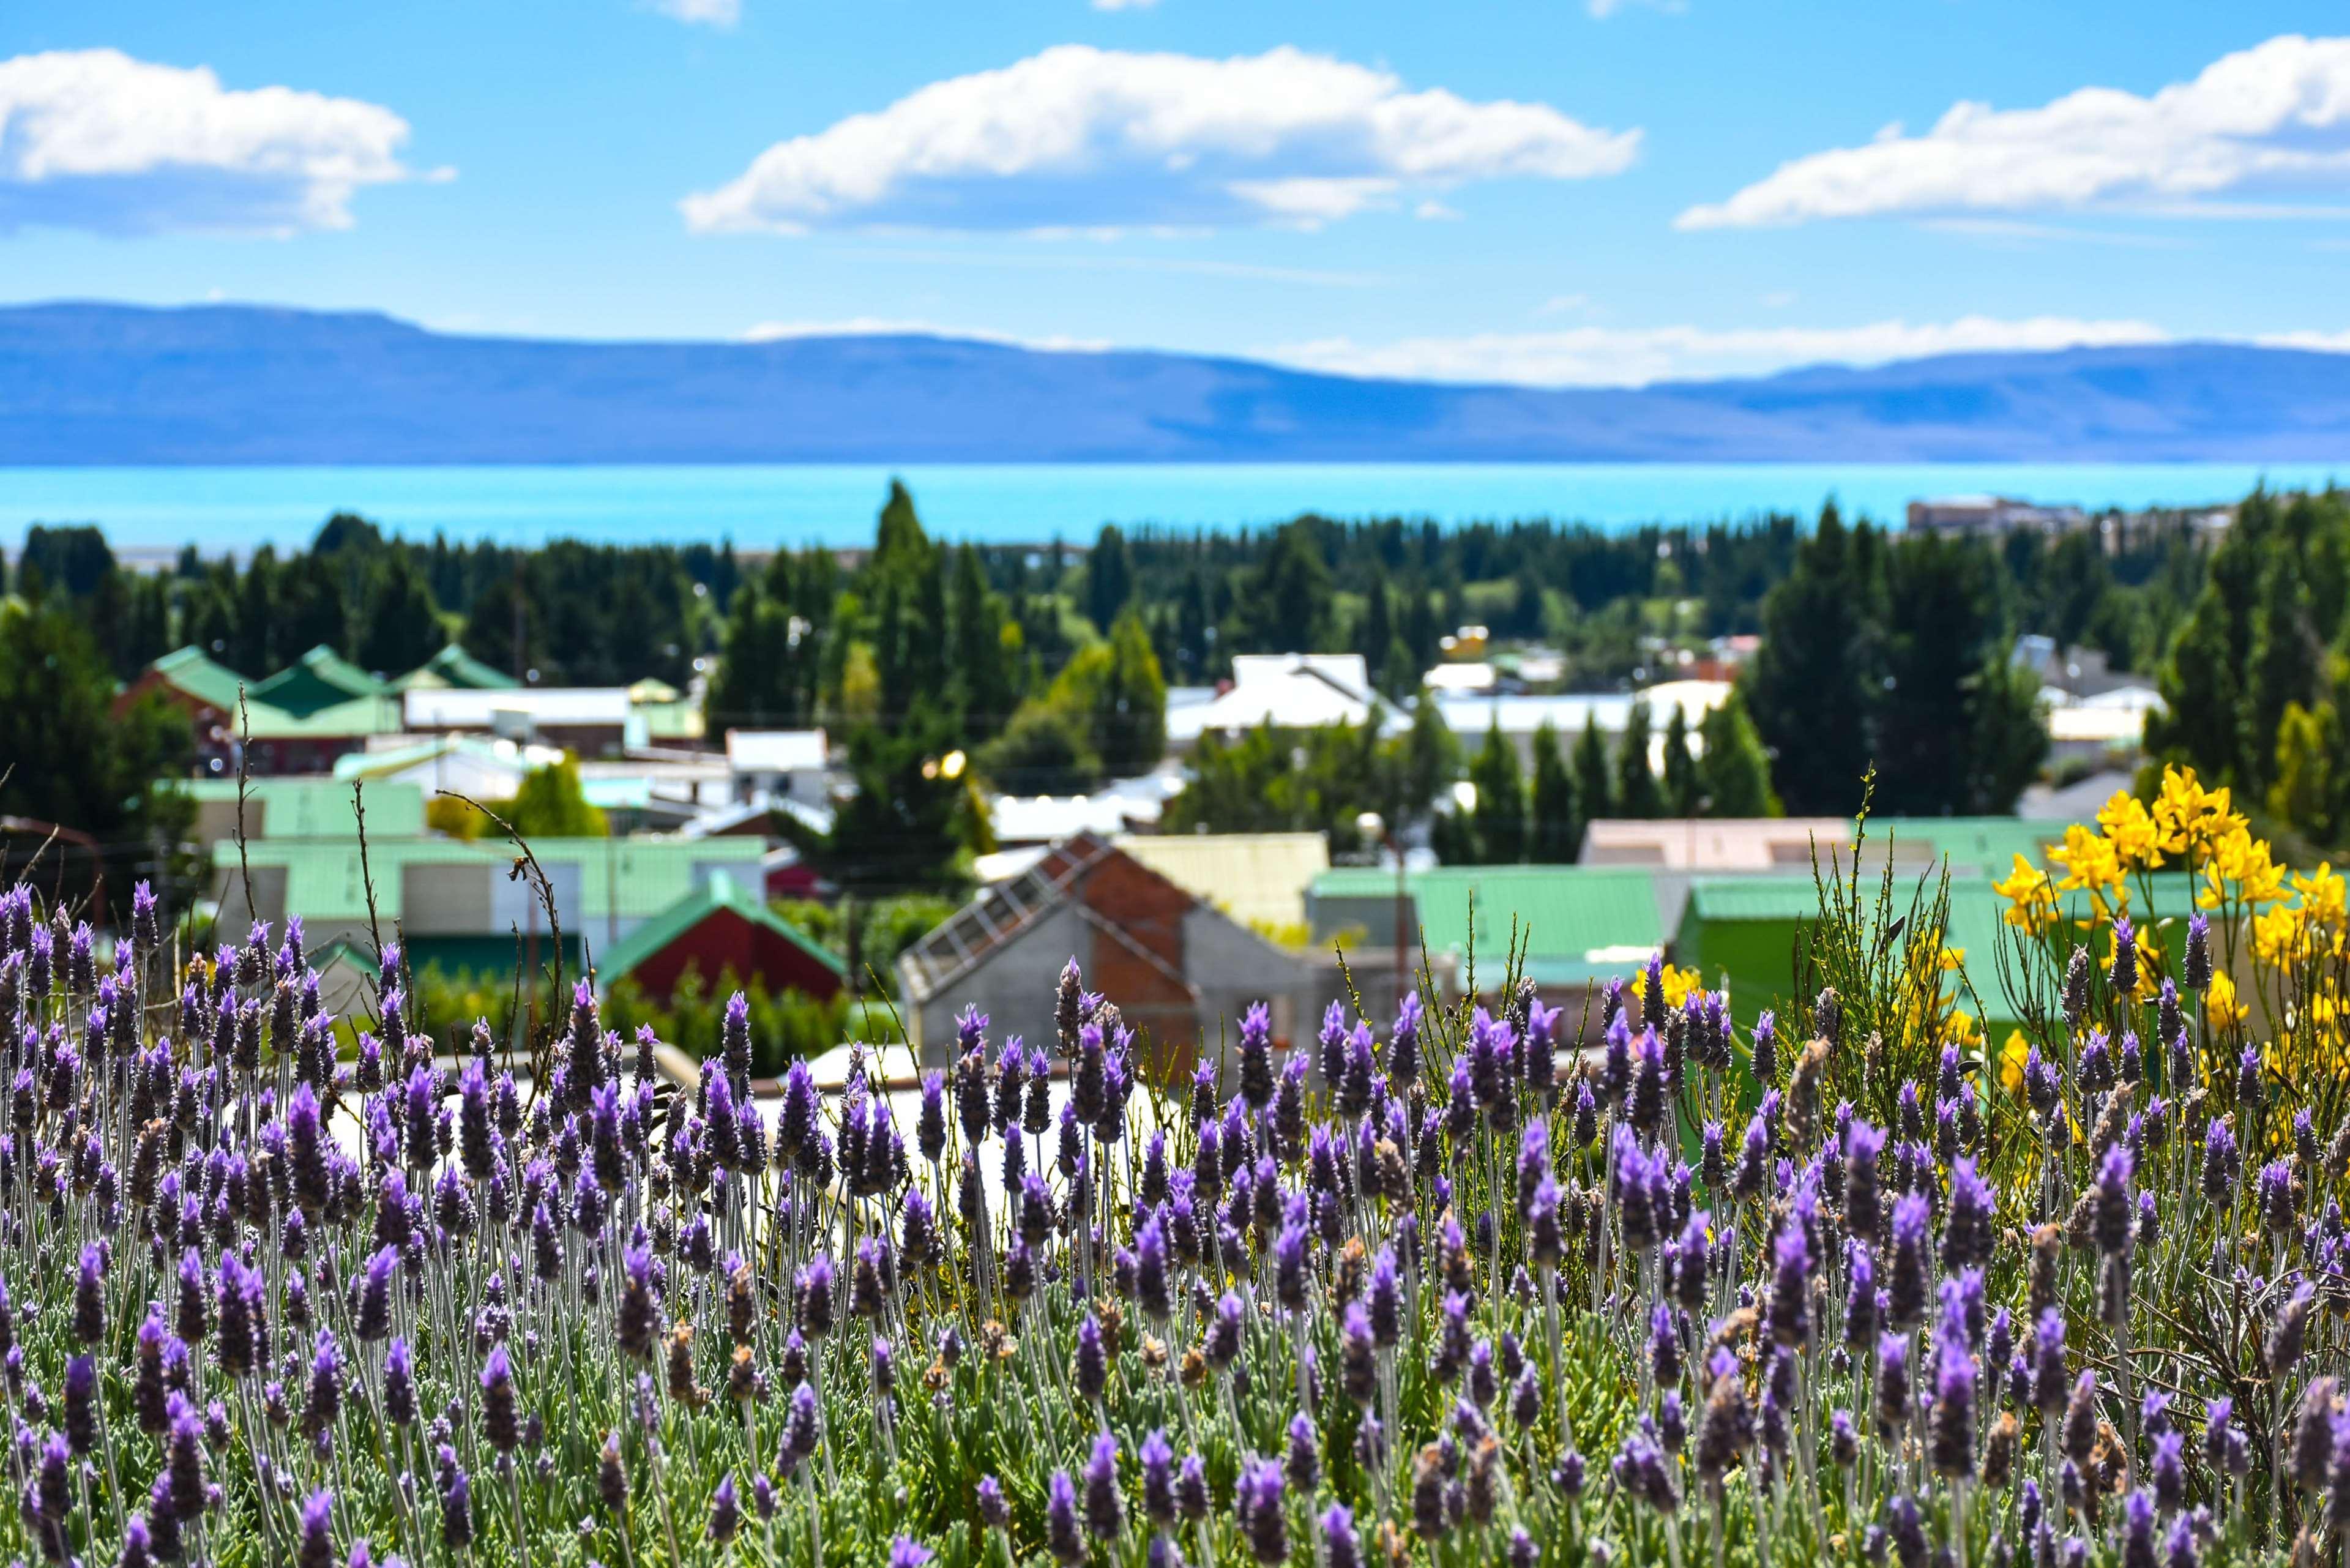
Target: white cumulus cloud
{"points": [[702, 12], [1080, 139], [96, 140], [1636, 356], [2273, 117]]}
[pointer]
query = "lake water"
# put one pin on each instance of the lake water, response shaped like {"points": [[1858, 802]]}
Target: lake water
{"points": [[759, 506]]}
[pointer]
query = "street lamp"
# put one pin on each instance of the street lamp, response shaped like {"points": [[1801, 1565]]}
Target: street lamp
{"points": [[1374, 826]]}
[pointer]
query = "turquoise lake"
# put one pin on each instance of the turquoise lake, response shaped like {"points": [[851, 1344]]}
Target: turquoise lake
{"points": [[236, 509]]}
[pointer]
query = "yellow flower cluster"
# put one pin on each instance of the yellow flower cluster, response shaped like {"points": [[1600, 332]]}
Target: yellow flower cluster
{"points": [[2030, 895], [1680, 983]]}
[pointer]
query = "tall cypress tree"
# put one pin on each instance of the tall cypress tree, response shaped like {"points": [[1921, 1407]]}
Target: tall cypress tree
{"points": [[1500, 817], [1680, 781], [1811, 684], [1637, 792], [1942, 632], [1734, 773], [1595, 786], [1557, 836], [1109, 578]]}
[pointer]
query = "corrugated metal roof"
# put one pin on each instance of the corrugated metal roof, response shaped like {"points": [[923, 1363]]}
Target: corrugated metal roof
{"points": [[452, 666], [197, 673], [632, 877], [359, 717], [718, 892], [320, 678], [1257, 878], [1977, 907], [301, 808], [1563, 911]]}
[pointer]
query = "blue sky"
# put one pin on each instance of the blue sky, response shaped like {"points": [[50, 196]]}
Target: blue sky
{"points": [[1552, 192]]}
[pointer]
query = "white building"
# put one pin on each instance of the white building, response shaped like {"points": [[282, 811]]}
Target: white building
{"points": [[1991, 514], [779, 764], [1286, 691]]}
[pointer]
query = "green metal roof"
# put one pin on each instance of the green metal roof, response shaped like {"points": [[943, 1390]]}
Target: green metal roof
{"points": [[632, 877], [360, 716], [720, 892], [318, 808], [452, 666], [197, 673], [1976, 906], [1989, 843], [320, 678], [1566, 912]]}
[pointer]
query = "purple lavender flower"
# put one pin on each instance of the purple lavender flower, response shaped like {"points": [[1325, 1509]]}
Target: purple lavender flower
{"points": [[317, 1547], [1062, 1537], [1258, 1505], [725, 1511]]}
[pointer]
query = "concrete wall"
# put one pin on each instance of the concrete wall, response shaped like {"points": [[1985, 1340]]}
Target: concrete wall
{"points": [[1016, 989]]}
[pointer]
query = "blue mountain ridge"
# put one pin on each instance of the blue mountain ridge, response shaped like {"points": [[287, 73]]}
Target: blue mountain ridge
{"points": [[110, 384]]}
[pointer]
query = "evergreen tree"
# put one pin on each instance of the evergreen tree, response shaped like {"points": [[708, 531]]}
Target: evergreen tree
{"points": [[1429, 762], [1109, 578], [1287, 606], [1117, 687], [1814, 685], [1942, 632], [2284, 666], [310, 608], [79, 760], [899, 542], [1594, 785], [1501, 812], [2203, 721], [2011, 741], [1734, 773], [1557, 831], [912, 816], [1637, 792], [1375, 633], [1194, 632], [253, 649], [1423, 635], [399, 628], [74, 560], [986, 650], [748, 689], [1682, 790], [1047, 749], [503, 626]]}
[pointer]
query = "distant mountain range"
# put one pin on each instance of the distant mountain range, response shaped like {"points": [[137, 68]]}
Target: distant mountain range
{"points": [[107, 384]]}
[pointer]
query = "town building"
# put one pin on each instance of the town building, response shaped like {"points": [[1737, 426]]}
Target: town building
{"points": [[1180, 970], [722, 927], [1285, 690], [781, 763], [460, 902], [1568, 928], [1991, 516]]}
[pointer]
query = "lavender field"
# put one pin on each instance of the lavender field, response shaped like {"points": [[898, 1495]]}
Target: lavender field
{"points": [[1858, 1284]]}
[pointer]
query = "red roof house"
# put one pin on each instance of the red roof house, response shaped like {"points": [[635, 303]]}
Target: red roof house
{"points": [[718, 927]]}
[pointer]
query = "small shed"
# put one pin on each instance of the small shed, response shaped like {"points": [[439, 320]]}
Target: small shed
{"points": [[719, 926]]}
